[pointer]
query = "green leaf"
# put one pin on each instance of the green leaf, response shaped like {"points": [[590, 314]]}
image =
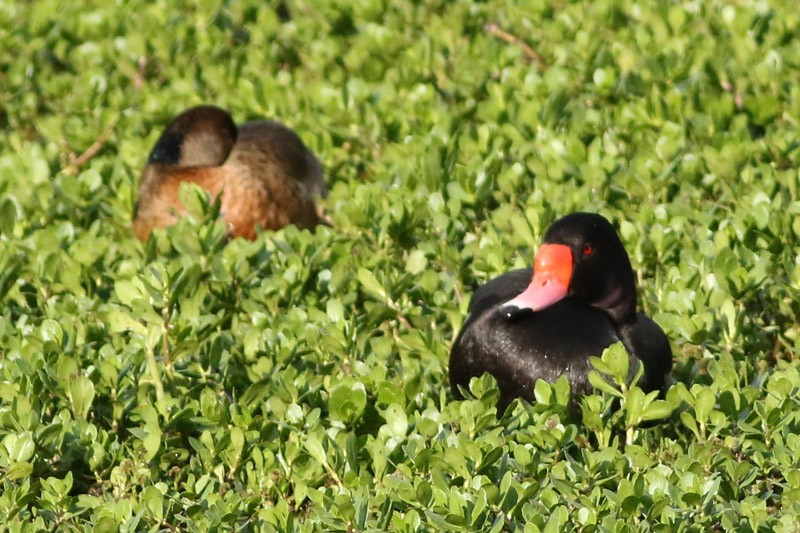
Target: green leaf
{"points": [[522, 456], [152, 444], [237, 441], [8, 216], [598, 382], [82, 393], [152, 336], [194, 199], [370, 285], [389, 393], [396, 420], [335, 310], [634, 406], [704, 402], [20, 447], [616, 359], [347, 402], [120, 321], [657, 410], [542, 391], [416, 262], [128, 291], [18, 470], [314, 448], [154, 502]]}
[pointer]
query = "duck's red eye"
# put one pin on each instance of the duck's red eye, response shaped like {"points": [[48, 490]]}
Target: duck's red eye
{"points": [[588, 249]]}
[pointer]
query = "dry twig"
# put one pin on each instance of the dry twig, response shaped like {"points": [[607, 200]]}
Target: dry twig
{"points": [[76, 162], [496, 31]]}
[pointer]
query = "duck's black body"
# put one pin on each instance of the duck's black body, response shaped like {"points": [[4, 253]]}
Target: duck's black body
{"points": [[519, 345]]}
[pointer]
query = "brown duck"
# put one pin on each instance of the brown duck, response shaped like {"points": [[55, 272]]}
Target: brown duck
{"points": [[264, 173]]}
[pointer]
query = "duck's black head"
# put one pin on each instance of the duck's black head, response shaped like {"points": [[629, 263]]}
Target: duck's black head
{"points": [[201, 136], [582, 258]]}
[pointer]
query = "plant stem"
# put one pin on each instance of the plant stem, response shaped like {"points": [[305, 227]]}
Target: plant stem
{"points": [[155, 375]]}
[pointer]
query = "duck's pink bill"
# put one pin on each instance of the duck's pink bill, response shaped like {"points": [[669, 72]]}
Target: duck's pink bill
{"points": [[552, 272]]}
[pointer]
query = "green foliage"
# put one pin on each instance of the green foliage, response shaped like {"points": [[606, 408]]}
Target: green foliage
{"points": [[299, 382]]}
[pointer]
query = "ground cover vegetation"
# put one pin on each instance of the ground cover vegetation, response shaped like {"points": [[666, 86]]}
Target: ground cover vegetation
{"points": [[299, 382]]}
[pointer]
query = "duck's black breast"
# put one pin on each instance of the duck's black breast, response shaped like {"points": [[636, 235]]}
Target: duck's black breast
{"points": [[546, 344]]}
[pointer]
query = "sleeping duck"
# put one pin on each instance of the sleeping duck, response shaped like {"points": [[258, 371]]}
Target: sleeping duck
{"points": [[264, 174]]}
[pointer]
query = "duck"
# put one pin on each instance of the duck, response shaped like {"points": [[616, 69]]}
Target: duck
{"points": [[261, 170], [547, 321]]}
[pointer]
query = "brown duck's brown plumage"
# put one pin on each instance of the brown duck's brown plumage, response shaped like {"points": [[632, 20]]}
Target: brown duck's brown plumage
{"points": [[264, 173]]}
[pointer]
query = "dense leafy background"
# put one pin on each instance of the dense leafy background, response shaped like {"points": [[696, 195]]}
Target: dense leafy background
{"points": [[299, 382]]}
